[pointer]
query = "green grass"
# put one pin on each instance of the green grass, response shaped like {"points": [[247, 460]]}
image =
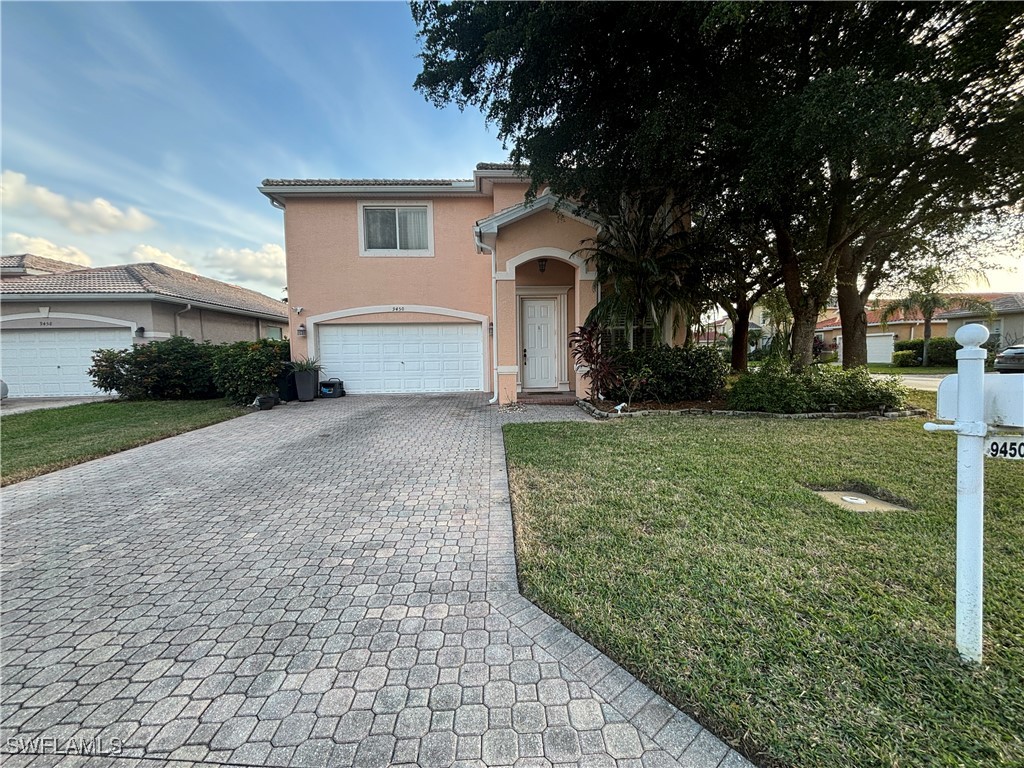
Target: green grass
{"points": [[42, 441], [913, 371], [692, 551]]}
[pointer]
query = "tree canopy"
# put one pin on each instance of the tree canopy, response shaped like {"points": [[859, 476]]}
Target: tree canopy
{"points": [[833, 131]]}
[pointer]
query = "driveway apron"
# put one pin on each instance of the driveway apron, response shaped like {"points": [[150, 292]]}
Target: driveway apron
{"points": [[325, 584]]}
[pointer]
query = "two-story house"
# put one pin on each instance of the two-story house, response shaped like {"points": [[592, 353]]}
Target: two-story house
{"points": [[435, 285]]}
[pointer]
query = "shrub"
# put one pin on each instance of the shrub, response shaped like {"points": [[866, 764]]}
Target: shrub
{"points": [[587, 351], [905, 359], [774, 388], [175, 369], [941, 349], [670, 374], [246, 369]]}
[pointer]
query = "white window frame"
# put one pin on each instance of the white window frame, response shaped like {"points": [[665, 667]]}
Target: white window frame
{"points": [[391, 252]]}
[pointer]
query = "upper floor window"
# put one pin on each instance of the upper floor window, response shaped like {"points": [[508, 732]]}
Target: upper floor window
{"points": [[396, 229]]}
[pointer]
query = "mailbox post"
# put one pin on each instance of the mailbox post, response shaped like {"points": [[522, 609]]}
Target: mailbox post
{"points": [[973, 401]]}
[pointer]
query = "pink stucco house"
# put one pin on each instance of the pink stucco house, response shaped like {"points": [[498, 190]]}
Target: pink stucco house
{"points": [[434, 285]]}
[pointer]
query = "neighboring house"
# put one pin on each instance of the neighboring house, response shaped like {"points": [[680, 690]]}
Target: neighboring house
{"points": [[27, 264], [435, 285], [902, 326], [1006, 323], [52, 321]]}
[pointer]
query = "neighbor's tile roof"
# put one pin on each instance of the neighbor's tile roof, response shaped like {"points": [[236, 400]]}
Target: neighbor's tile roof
{"points": [[24, 261], [495, 167], [364, 182], [1002, 304], [148, 278]]}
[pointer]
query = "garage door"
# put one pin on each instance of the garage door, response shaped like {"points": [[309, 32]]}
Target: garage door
{"points": [[53, 363], [426, 357]]}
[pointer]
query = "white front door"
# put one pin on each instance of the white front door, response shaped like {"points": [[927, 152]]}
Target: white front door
{"points": [[539, 354]]}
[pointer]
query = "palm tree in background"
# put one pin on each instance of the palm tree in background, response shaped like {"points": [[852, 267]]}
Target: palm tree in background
{"points": [[929, 295]]}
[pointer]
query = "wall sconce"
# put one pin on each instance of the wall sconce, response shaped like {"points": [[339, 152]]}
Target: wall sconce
{"points": [[301, 330], [490, 329], [542, 264], [140, 332]]}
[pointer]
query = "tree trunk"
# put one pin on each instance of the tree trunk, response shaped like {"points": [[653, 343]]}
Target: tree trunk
{"points": [[854, 321], [927, 338], [740, 337], [852, 316], [805, 318]]}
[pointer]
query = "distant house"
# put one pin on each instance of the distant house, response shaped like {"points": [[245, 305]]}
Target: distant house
{"points": [[54, 315], [1006, 323], [902, 326]]}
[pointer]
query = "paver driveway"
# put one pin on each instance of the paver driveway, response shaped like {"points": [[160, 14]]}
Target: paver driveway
{"points": [[325, 584]]}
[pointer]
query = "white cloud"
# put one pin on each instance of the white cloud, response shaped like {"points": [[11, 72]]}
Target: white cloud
{"points": [[15, 242], [242, 265], [93, 216], [149, 253]]}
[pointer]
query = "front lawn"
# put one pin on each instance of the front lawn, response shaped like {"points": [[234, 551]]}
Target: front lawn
{"points": [[912, 371], [42, 441], [692, 551]]}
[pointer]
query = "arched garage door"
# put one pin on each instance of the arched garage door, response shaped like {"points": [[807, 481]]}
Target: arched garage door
{"points": [[52, 362], [399, 357]]}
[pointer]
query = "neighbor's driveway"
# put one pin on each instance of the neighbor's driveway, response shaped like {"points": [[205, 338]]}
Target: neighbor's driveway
{"points": [[324, 584]]}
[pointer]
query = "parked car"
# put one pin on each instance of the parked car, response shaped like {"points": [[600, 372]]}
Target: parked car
{"points": [[1011, 360]]}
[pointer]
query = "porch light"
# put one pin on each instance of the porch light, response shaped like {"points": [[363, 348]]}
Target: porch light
{"points": [[542, 264], [301, 330], [490, 329], [140, 332]]}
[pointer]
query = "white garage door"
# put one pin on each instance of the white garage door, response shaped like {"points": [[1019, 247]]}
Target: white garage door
{"points": [[53, 363], [426, 357]]}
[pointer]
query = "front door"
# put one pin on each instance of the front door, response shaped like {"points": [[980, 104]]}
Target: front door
{"points": [[539, 354]]}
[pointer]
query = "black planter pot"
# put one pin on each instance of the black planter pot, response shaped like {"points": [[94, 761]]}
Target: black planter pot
{"points": [[266, 402], [305, 385]]}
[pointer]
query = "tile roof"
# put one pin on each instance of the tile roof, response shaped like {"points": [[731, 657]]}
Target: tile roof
{"points": [[19, 262], [495, 166], [1002, 304], [148, 279], [364, 182]]}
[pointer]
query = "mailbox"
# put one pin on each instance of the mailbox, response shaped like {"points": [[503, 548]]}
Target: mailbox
{"points": [[1004, 400]]}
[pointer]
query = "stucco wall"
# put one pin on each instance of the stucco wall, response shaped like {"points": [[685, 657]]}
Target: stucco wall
{"points": [[1012, 329], [139, 312], [326, 272]]}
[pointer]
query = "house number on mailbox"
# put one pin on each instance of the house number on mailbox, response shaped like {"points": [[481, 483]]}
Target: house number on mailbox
{"points": [[398, 309], [46, 323]]}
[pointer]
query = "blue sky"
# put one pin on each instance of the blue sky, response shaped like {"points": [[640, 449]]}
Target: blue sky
{"points": [[140, 131]]}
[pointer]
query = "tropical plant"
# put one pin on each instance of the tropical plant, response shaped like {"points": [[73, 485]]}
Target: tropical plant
{"points": [[928, 297], [306, 364], [641, 262], [593, 361]]}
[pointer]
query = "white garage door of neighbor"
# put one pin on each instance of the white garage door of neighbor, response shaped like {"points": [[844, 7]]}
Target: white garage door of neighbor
{"points": [[394, 358], [880, 347], [53, 362]]}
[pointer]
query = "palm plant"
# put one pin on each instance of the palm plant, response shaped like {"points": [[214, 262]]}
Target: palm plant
{"points": [[928, 297], [640, 257]]}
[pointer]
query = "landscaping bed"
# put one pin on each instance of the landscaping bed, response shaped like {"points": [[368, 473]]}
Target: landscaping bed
{"points": [[42, 441], [694, 552]]}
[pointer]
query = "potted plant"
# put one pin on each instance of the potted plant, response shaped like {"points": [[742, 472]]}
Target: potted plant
{"points": [[306, 370]]}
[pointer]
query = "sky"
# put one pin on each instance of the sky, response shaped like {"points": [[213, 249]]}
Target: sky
{"points": [[139, 132]]}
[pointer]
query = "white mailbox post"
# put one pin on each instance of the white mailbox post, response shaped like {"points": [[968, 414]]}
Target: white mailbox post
{"points": [[975, 403]]}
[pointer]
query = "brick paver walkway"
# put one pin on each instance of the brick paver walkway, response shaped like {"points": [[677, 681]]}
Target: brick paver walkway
{"points": [[325, 584]]}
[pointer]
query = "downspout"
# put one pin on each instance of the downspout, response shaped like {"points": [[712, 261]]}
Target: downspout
{"points": [[177, 319], [494, 310]]}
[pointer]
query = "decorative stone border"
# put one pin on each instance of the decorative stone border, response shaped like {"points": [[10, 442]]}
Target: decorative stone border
{"points": [[597, 413]]}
